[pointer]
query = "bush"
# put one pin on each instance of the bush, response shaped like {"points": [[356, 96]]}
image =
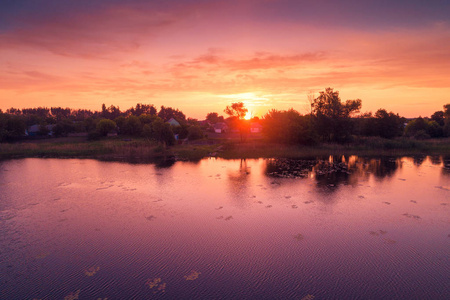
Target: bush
{"points": [[195, 133], [104, 126]]}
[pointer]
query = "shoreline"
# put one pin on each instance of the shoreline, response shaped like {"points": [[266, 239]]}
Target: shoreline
{"points": [[145, 151]]}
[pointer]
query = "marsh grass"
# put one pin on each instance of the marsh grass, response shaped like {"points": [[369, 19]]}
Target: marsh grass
{"points": [[146, 151]]}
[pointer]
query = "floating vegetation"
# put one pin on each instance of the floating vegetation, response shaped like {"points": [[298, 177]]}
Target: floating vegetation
{"points": [[153, 282], [443, 203], [268, 206], [388, 203], [288, 197], [389, 241], [150, 218], [194, 275], [73, 295], [228, 218], [7, 215], [156, 283], [91, 271], [308, 202], [290, 168], [413, 201], [308, 297], [294, 206], [377, 233], [361, 197], [42, 255], [104, 188], [299, 237], [411, 216], [402, 179], [162, 287], [220, 207], [260, 202], [442, 187]]}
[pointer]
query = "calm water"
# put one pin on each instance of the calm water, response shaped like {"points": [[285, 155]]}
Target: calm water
{"points": [[342, 228]]}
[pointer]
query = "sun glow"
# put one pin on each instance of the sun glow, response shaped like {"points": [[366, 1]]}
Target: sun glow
{"points": [[248, 116]]}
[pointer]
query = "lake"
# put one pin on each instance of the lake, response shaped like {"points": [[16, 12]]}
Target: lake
{"points": [[330, 228]]}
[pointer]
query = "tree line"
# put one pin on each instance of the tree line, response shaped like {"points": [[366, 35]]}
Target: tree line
{"points": [[330, 120]]}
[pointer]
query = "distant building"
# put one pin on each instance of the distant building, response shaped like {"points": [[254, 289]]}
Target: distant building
{"points": [[255, 127], [34, 130], [173, 122], [220, 127]]}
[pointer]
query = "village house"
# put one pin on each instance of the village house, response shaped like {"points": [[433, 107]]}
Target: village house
{"points": [[220, 127], [34, 130], [173, 122], [255, 127]]}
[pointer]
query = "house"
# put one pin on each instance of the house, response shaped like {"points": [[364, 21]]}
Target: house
{"points": [[220, 127], [173, 122], [34, 130], [255, 127]]}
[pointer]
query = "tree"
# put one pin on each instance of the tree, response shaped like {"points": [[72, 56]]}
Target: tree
{"points": [[332, 116], [132, 126], [11, 127], [63, 127], [214, 118], [140, 109], [238, 112], [195, 133], [288, 127], [446, 128], [162, 132], [104, 126], [166, 113], [438, 117], [388, 125]]}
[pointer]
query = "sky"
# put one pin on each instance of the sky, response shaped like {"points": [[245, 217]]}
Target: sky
{"points": [[201, 55]]}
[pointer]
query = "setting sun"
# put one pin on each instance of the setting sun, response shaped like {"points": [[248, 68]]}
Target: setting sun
{"points": [[248, 116]]}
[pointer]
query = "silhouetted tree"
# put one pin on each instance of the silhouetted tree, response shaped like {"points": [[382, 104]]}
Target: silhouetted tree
{"points": [[162, 132], [438, 117], [214, 118], [140, 109], [132, 126], [238, 112], [332, 117], [195, 133], [105, 126], [11, 127], [166, 113], [388, 125], [446, 129], [288, 127]]}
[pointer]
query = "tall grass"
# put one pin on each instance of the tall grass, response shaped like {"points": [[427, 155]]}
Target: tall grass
{"points": [[145, 150]]}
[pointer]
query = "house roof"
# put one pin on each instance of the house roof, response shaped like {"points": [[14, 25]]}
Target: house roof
{"points": [[220, 125], [173, 122], [255, 125]]}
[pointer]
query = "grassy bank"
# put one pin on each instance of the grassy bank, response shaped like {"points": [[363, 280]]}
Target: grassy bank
{"points": [[142, 150], [364, 147]]}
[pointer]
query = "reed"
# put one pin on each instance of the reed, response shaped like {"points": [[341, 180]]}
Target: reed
{"points": [[146, 151]]}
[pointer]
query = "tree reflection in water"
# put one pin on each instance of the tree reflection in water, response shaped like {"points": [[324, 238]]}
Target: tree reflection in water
{"points": [[335, 170]]}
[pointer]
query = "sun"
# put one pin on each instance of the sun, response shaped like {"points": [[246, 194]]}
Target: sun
{"points": [[248, 116]]}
